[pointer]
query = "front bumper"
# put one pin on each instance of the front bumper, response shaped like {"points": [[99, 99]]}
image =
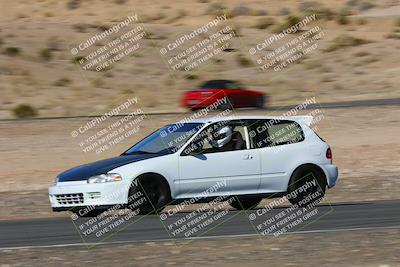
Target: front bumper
{"points": [[69, 195], [331, 172]]}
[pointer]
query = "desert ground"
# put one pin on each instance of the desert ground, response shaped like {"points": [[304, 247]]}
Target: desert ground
{"points": [[357, 57], [358, 248]]}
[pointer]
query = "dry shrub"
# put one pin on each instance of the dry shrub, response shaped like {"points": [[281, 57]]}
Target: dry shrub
{"points": [[342, 16], [264, 23], [243, 61], [304, 6], [22, 111], [46, 54], [216, 9], [12, 51], [289, 22], [62, 82], [73, 4], [240, 11], [284, 11], [343, 41]]}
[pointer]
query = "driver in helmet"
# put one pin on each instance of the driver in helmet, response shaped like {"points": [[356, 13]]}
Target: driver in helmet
{"points": [[225, 139]]}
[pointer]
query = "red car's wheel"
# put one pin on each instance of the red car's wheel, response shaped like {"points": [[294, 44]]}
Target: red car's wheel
{"points": [[260, 102], [228, 104]]}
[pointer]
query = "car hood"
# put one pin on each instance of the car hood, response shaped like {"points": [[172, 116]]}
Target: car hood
{"points": [[100, 167]]}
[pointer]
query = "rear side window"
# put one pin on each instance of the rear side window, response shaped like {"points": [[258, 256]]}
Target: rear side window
{"points": [[222, 84], [266, 133]]}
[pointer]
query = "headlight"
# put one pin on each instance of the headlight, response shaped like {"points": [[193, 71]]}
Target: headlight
{"points": [[104, 178]]}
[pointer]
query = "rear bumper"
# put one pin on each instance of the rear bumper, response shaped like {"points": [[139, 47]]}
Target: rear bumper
{"points": [[198, 102], [70, 195], [331, 172]]}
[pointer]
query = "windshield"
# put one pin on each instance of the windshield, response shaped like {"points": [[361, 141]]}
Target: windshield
{"points": [[166, 140]]}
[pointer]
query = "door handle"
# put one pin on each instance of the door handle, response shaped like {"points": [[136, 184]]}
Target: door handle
{"points": [[247, 157]]}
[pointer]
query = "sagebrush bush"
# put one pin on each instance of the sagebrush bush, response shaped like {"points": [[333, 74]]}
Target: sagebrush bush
{"points": [[292, 20], [62, 82], [264, 23], [24, 111], [397, 22], [304, 6], [289, 22], [243, 61], [284, 11], [216, 9], [393, 35], [344, 40], [323, 13], [190, 76], [73, 4], [259, 12], [240, 11], [46, 54], [12, 51], [366, 5], [342, 18], [120, 2]]}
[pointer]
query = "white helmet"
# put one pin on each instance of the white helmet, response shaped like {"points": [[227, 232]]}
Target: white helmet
{"points": [[221, 136]]}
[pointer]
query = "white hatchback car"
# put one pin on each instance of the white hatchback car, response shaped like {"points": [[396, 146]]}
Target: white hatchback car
{"points": [[249, 157]]}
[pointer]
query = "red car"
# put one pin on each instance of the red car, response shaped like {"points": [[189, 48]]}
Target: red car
{"points": [[211, 91]]}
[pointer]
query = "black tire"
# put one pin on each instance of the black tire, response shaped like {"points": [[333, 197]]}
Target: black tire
{"points": [[228, 105], [260, 102], [245, 203], [302, 178], [151, 193], [92, 213]]}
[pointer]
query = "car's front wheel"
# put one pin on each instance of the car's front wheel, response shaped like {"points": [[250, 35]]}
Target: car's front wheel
{"points": [[91, 213], [148, 195], [245, 202]]}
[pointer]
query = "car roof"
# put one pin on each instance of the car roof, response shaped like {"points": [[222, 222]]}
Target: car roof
{"points": [[301, 119], [228, 118], [221, 81], [217, 83]]}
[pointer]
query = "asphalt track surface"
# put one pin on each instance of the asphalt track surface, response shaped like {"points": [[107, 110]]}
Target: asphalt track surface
{"points": [[329, 105], [64, 232]]}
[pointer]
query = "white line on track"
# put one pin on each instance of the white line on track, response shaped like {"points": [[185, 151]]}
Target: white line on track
{"points": [[195, 238]]}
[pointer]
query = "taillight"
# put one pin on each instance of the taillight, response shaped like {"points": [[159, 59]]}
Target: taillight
{"points": [[206, 94], [329, 153]]}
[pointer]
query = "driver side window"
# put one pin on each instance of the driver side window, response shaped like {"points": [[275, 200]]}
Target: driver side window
{"points": [[219, 137]]}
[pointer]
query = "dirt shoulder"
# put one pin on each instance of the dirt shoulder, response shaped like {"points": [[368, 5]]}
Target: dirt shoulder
{"points": [[38, 68], [372, 248]]}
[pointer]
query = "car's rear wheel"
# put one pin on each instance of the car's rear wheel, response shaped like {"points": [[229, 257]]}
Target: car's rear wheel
{"points": [[148, 195], [245, 202], [307, 186], [260, 102], [228, 104]]}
